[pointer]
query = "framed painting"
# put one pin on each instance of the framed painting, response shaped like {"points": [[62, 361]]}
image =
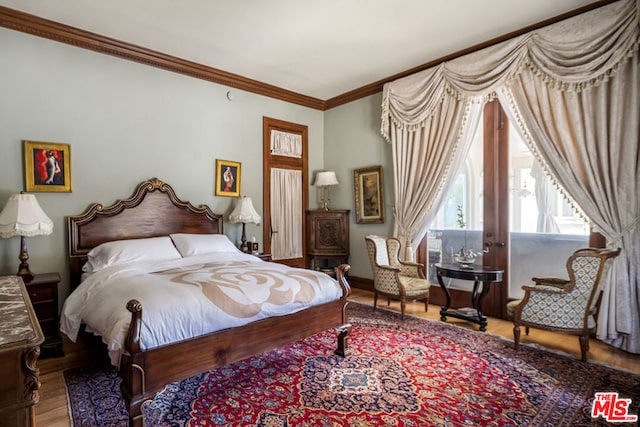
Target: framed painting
{"points": [[47, 166], [369, 195], [227, 178]]}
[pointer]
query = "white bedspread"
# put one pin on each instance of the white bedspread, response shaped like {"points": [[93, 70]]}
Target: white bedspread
{"points": [[190, 297]]}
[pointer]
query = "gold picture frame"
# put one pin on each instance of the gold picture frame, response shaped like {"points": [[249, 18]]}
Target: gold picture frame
{"points": [[369, 195], [47, 167], [227, 182]]}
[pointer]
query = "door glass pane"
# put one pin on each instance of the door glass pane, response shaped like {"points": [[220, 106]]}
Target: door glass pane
{"points": [[544, 228], [463, 204]]}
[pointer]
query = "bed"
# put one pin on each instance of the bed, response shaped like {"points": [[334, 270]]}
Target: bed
{"points": [[154, 214]]}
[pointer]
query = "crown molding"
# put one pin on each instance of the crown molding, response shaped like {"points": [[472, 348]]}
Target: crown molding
{"points": [[34, 25]]}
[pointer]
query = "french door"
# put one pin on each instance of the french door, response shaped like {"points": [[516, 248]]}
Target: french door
{"points": [[512, 212], [495, 230]]}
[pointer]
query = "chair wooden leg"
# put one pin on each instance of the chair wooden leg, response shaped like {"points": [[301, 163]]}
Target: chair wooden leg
{"points": [[388, 300], [375, 299], [584, 346], [403, 304], [526, 330], [516, 337], [426, 304]]}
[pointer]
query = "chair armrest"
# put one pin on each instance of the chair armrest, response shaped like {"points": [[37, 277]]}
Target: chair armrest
{"points": [[545, 289], [551, 281], [411, 269]]}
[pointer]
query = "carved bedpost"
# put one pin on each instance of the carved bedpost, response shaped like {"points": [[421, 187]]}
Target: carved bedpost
{"points": [[345, 329], [343, 340], [341, 274], [31, 375], [132, 343]]}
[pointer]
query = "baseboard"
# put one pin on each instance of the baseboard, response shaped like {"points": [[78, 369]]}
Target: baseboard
{"points": [[361, 283]]}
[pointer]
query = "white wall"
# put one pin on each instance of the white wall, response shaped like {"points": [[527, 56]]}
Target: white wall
{"points": [[126, 122], [353, 141]]}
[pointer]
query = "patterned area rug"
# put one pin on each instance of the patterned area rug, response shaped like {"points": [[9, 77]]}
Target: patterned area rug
{"points": [[410, 373]]}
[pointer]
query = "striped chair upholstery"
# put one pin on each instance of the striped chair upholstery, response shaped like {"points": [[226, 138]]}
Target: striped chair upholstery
{"points": [[567, 306], [392, 277]]}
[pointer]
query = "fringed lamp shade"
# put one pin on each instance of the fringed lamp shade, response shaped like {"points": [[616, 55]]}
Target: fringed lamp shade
{"points": [[244, 212], [22, 216]]}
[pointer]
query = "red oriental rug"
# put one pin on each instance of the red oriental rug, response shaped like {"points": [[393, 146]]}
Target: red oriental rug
{"points": [[401, 373]]}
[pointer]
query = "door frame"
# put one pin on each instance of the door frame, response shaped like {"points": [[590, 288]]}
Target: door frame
{"points": [[495, 216], [271, 161]]}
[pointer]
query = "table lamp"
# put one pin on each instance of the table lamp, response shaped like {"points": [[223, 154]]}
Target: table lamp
{"points": [[244, 213], [324, 180], [22, 216]]}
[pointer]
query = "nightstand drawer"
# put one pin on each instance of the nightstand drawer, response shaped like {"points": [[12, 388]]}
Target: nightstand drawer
{"points": [[40, 293], [49, 327], [45, 312]]}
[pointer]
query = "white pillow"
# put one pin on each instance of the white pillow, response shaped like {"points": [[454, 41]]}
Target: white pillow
{"points": [[126, 251], [199, 244]]}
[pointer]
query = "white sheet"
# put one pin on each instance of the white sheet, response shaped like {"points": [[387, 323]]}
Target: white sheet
{"points": [[179, 309]]}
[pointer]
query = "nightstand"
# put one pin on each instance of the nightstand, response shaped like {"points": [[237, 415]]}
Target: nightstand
{"points": [[43, 292], [264, 257]]}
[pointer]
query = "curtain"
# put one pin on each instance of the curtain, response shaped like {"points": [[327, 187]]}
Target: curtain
{"points": [[544, 199], [572, 89], [286, 205]]}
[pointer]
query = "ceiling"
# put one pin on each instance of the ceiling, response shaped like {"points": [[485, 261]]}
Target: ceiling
{"points": [[317, 48]]}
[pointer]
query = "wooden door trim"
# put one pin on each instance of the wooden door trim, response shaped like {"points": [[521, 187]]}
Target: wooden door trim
{"points": [[269, 161], [496, 209]]}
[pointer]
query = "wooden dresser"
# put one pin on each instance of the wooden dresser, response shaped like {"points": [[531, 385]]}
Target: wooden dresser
{"points": [[20, 338], [327, 239]]}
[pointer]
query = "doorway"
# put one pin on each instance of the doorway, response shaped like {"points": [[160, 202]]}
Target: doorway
{"points": [[513, 214], [285, 189]]}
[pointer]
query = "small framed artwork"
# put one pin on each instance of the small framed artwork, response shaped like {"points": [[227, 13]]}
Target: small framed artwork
{"points": [[369, 195], [227, 178], [47, 166]]}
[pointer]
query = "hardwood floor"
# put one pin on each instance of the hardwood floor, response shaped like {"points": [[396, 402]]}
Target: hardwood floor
{"points": [[52, 410]]}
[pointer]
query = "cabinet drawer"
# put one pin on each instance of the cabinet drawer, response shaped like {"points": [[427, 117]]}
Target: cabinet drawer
{"points": [[40, 293], [45, 311], [49, 328]]}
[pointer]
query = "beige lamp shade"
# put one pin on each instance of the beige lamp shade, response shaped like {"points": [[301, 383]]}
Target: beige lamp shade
{"points": [[324, 179], [23, 216], [244, 212]]}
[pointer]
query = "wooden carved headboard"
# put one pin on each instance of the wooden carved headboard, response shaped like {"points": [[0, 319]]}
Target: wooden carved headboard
{"points": [[153, 210]]}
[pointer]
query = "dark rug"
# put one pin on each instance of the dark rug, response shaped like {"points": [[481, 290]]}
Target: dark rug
{"points": [[401, 373]]}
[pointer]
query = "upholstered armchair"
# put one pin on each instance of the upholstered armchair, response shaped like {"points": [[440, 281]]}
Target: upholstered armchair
{"points": [[394, 278], [567, 306]]}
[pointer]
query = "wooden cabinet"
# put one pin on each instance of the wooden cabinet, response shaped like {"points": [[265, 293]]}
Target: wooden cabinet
{"points": [[43, 292], [327, 239], [20, 337]]}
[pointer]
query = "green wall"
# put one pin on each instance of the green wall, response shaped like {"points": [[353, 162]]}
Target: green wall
{"points": [[353, 141], [126, 122]]}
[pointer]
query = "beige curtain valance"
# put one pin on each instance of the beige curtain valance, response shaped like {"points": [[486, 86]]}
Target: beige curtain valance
{"points": [[573, 54]]}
